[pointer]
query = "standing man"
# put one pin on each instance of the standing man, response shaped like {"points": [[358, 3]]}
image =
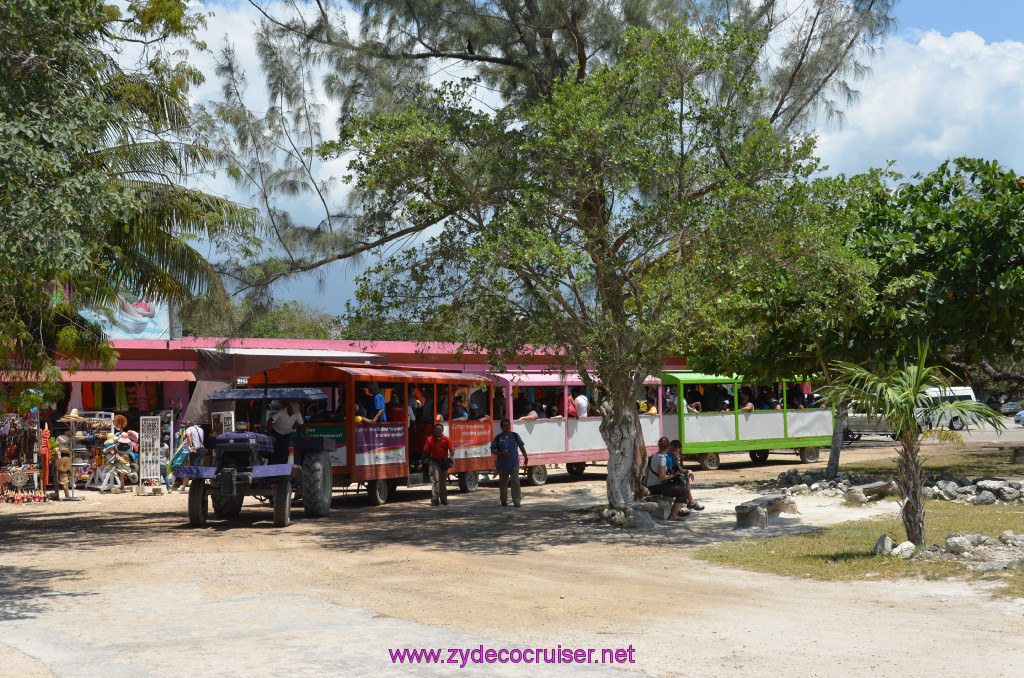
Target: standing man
{"points": [[506, 446], [281, 424], [438, 450], [194, 439]]}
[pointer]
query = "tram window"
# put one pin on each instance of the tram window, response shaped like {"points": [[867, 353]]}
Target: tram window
{"points": [[395, 409], [370, 401], [480, 403], [520, 403], [421, 399], [443, 399]]}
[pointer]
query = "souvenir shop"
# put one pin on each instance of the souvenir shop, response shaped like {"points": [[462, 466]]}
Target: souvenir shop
{"points": [[102, 435]]}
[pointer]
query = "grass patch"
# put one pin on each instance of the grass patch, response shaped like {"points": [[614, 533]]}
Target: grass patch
{"points": [[967, 463], [843, 552]]}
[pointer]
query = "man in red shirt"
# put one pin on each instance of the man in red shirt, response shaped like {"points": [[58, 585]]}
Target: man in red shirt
{"points": [[438, 450]]}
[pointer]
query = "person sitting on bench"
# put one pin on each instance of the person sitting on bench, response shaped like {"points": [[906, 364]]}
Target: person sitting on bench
{"points": [[668, 484]]}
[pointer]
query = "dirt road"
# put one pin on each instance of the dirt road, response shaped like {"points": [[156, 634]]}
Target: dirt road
{"points": [[119, 585]]}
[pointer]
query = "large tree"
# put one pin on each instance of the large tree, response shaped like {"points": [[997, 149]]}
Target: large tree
{"points": [[95, 149], [808, 57], [574, 222]]}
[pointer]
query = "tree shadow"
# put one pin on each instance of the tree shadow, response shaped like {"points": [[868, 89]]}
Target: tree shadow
{"points": [[27, 590]]}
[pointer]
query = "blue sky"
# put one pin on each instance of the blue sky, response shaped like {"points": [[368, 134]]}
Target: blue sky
{"points": [[948, 83]]}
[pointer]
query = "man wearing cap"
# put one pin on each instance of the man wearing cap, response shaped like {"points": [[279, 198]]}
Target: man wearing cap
{"points": [[281, 424]]}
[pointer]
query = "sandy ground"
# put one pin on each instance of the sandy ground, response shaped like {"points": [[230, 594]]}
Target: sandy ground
{"points": [[120, 586]]}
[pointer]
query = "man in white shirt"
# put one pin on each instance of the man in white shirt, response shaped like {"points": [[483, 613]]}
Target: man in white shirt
{"points": [[281, 423], [194, 439], [582, 404]]}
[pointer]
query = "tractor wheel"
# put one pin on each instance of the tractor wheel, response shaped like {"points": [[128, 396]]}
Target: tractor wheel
{"points": [[317, 484], [283, 502], [198, 507], [227, 506]]}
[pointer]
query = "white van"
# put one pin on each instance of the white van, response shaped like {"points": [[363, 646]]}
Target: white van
{"points": [[948, 394]]}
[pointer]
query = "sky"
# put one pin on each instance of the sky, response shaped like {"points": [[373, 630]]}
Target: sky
{"points": [[949, 82]]}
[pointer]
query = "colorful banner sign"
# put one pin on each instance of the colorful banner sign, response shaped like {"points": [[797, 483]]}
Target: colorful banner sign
{"points": [[472, 439], [335, 432], [380, 444]]}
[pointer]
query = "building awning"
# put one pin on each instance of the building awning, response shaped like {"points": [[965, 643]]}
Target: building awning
{"points": [[129, 375], [550, 379], [324, 372]]}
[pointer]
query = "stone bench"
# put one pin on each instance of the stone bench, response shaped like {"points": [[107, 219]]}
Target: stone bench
{"points": [[754, 513]]}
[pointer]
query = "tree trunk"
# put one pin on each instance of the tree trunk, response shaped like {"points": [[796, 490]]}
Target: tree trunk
{"points": [[619, 429], [837, 442], [911, 480], [639, 460]]}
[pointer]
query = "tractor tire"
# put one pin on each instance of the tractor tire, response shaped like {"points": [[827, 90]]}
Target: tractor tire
{"points": [[227, 506], [283, 502], [198, 507], [317, 484]]}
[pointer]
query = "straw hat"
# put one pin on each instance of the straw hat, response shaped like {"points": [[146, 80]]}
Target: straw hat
{"points": [[63, 441], [120, 422], [124, 438], [111, 438], [72, 416], [64, 464]]}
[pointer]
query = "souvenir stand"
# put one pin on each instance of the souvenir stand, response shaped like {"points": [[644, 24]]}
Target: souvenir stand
{"points": [[20, 466], [79, 452]]}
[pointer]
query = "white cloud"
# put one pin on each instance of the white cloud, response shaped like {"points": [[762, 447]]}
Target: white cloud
{"points": [[932, 97]]}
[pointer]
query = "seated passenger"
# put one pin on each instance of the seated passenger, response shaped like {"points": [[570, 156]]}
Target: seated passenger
{"points": [[726, 406], [536, 412], [675, 452], [459, 411], [745, 404], [553, 413], [774, 404], [668, 484], [651, 407]]}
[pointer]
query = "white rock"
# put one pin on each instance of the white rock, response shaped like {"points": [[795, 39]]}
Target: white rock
{"points": [[856, 496], [903, 550], [799, 489], [992, 486], [1007, 536], [984, 498]]}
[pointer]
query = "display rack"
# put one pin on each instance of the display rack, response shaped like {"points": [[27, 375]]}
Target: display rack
{"points": [[149, 448]]}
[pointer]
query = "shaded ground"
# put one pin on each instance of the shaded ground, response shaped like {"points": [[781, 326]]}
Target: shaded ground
{"points": [[119, 585]]}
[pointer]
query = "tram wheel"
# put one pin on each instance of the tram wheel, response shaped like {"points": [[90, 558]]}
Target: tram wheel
{"points": [[709, 461], [809, 455], [469, 481], [537, 475], [759, 456], [378, 491], [576, 469]]}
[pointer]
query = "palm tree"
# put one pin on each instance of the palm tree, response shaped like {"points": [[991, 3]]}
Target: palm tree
{"points": [[902, 398]]}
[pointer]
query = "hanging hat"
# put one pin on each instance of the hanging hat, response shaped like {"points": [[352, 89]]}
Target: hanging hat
{"points": [[64, 464], [120, 422], [72, 416], [133, 435], [80, 435], [111, 438], [124, 438], [63, 441]]}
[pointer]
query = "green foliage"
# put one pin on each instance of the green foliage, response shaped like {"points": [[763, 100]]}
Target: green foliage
{"points": [[901, 398], [950, 251], [92, 157]]}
